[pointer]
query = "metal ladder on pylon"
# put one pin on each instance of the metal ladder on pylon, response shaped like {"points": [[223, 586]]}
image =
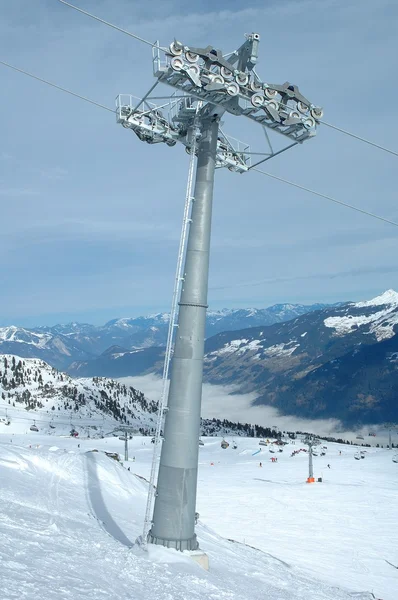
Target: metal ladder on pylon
{"points": [[162, 405]]}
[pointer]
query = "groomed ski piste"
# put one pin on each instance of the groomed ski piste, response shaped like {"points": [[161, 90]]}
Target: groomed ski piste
{"points": [[69, 517]]}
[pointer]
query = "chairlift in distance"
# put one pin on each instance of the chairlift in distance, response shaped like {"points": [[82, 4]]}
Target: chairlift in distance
{"points": [[34, 427], [201, 442], [360, 437], [234, 446], [357, 456], [263, 443], [224, 444], [395, 458]]}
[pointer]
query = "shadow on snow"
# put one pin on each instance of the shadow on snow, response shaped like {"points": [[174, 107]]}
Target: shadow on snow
{"points": [[97, 503]]}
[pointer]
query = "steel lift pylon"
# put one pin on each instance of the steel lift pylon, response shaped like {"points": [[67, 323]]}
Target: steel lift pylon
{"points": [[208, 86]]}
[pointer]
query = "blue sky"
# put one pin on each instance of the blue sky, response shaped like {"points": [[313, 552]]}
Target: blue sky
{"points": [[90, 216]]}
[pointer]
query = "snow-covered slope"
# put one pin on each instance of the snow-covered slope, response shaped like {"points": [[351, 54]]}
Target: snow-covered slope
{"points": [[379, 323], [33, 392], [69, 518], [388, 298], [337, 362]]}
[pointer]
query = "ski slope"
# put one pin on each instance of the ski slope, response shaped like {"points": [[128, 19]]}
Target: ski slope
{"points": [[69, 518]]}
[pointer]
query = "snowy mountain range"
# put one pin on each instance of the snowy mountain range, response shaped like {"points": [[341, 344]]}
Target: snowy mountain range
{"points": [[61, 345], [340, 361]]}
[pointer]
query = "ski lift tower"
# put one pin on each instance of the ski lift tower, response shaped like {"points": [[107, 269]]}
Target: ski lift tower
{"points": [[127, 431], [310, 441], [208, 85], [390, 427]]}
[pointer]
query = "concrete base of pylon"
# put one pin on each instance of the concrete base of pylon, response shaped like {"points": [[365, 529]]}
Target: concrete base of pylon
{"points": [[311, 480], [199, 557]]}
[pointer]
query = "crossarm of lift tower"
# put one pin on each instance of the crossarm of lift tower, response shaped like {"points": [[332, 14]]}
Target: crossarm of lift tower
{"points": [[210, 83]]}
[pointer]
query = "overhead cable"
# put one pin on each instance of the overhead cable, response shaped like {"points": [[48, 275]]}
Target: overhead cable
{"points": [[291, 183], [357, 137], [353, 135], [58, 87], [137, 37], [326, 197]]}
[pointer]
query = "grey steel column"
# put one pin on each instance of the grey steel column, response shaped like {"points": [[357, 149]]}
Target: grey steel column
{"points": [[175, 502], [311, 469], [126, 446]]}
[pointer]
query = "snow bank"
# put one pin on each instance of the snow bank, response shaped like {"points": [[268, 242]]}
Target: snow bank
{"points": [[69, 521]]}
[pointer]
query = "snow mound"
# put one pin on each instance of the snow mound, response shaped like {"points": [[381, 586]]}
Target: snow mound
{"points": [[69, 521]]}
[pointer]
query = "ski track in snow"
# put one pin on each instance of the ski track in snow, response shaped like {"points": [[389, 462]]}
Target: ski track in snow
{"points": [[69, 519]]}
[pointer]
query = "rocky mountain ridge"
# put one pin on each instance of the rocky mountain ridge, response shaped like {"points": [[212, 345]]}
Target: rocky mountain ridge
{"points": [[61, 345], [36, 397], [31, 388], [338, 362]]}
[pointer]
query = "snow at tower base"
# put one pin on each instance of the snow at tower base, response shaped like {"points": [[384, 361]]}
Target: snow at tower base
{"points": [[69, 517]]}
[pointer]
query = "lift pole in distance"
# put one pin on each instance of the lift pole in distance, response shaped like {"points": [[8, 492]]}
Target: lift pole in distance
{"points": [[390, 427], [310, 442], [126, 446], [127, 431]]}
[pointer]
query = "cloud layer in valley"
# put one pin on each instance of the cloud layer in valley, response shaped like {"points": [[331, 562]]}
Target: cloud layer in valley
{"points": [[224, 402]]}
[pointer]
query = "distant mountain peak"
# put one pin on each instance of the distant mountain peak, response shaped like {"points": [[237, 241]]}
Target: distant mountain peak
{"points": [[388, 297], [163, 317]]}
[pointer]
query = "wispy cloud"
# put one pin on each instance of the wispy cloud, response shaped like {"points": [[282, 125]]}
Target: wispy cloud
{"points": [[53, 173], [313, 276], [95, 197], [18, 192]]}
